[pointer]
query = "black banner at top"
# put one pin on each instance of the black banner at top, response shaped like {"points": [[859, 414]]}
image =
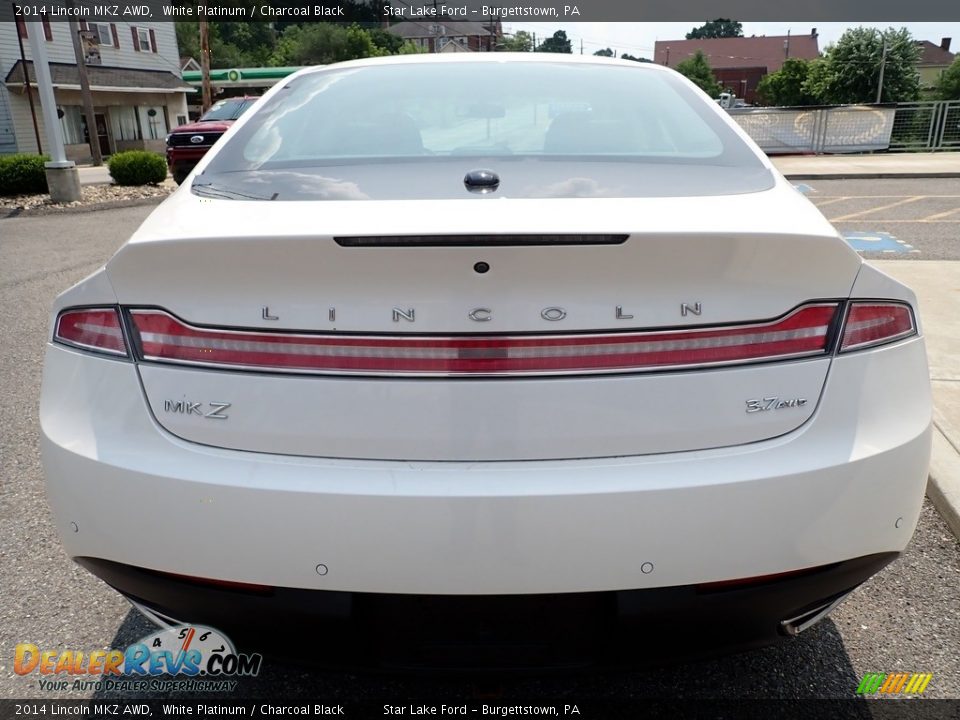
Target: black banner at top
{"points": [[382, 11]]}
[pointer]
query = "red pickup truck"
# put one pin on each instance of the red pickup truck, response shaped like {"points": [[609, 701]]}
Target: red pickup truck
{"points": [[188, 143]]}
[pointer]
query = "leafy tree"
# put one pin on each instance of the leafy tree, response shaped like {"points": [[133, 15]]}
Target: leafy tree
{"points": [[785, 87], [557, 43], [625, 56], [521, 41], [288, 43], [606, 52], [698, 71], [223, 54], [361, 45], [324, 43], [716, 29], [850, 72], [388, 41], [948, 87]]}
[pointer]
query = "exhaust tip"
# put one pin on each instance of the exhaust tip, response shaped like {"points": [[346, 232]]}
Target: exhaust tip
{"points": [[157, 618], [796, 625]]}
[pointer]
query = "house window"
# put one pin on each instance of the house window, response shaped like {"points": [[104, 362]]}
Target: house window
{"points": [[153, 123], [141, 39], [101, 31], [125, 123], [72, 124]]}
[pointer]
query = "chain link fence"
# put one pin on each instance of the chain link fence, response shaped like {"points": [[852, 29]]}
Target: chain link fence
{"points": [[905, 127]]}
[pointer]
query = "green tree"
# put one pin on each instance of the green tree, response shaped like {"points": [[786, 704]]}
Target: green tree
{"points": [[361, 45], [716, 29], [520, 41], [698, 71], [948, 87], [388, 41], [625, 56], [785, 87], [850, 71], [324, 43], [606, 52], [557, 43]]}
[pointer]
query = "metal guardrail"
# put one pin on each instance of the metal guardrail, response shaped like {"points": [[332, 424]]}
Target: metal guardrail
{"points": [[904, 127], [926, 126]]}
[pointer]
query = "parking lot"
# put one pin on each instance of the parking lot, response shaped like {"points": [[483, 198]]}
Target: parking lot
{"points": [[906, 619], [916, 219]]}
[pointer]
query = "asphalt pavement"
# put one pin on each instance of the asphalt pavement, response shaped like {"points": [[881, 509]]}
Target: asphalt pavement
{"points": [[906, 619], [902, 219]]}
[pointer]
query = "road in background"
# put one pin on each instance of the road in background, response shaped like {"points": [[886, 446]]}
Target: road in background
{"points": [[903, 620]]}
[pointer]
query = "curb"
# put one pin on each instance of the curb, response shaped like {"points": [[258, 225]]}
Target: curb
{"points": [[93, 207], [943, 485]]}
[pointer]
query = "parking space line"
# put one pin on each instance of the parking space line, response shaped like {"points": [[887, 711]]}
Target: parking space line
{"points": [[882, 207], [937, 216], [828, 202]]}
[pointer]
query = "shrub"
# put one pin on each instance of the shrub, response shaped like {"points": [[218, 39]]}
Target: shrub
{"points": [[138, 167], [23, 174]]}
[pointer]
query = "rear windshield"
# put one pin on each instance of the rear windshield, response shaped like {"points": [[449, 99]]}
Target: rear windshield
{"points": [[483, 109], [227, 110], [548, 129]]}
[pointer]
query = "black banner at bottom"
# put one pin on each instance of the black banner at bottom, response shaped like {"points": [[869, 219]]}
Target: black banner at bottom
{"points": [[588, 708]]}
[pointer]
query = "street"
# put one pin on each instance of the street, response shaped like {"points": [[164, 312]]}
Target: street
{"points": [[905, 619]]}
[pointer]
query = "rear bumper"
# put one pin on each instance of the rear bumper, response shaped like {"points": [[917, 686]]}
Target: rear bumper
{"points": [[847, 484], [631, 627]]}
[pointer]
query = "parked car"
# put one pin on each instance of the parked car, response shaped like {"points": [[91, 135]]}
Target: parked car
{"points": [[188, 143], [416, 360]]}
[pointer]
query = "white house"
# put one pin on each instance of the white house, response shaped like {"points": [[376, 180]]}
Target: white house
{"points": [[135, 80]]}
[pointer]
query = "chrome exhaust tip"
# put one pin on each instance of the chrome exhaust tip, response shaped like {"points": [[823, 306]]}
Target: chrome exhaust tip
{"points": [[157, 618], [796, 625]]}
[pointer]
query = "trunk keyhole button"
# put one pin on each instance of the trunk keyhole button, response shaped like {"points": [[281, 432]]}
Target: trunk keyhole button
{"points": [[481, 181]]}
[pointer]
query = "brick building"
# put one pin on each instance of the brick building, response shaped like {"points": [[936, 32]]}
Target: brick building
{"points": [[740, 63]]}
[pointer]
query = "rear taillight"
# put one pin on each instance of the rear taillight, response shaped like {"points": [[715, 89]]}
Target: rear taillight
{"points": [[802, 333], [871, 323], [96, 329]]}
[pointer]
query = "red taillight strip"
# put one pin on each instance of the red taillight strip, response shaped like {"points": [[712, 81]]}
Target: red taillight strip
{"points": [[95, 329], [801, 333], [871, 323]]}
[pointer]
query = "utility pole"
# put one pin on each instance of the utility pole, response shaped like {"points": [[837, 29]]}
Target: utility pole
{"points": [[27, 90], [786, 46], [581, 46], [63, 180], [85, 92], [206, 100], [883, 65]]}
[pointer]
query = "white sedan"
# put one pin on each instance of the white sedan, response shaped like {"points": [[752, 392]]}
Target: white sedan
{"points": [[487, 359]]}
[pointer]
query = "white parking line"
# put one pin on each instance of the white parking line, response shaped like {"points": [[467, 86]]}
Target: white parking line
{"points": [[881, 207]]}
